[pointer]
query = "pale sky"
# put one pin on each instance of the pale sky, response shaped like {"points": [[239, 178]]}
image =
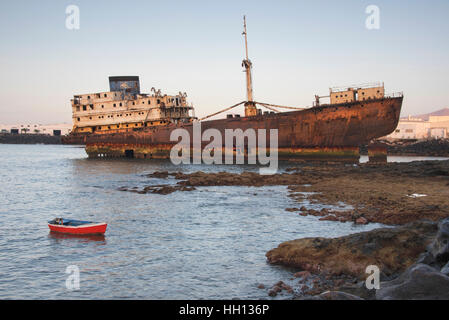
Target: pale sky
{"points": [[298, 49]]}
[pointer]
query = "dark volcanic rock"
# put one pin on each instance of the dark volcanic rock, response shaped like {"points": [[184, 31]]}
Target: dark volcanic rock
{"points": [[331, 295], [445, 269], [440, 246], [158, 174], [431, 147], [419, 282], [338, 295], [391, 249]]}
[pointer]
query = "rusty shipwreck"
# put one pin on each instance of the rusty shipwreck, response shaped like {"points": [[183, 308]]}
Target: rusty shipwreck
{"points": [[123, 122]]}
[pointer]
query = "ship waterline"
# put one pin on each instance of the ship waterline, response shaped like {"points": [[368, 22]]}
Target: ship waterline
{"points": [[335, 131]]}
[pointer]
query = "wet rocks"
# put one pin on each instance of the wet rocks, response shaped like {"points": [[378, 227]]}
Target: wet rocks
{"points": [[158, 189], [445, 269], [432, 147], [302, 274], [391, 249], [440, 246], [235, 179], [418, 282], [361, 220], [331, 295], [279, 287], [329, 218], [158, 174]]}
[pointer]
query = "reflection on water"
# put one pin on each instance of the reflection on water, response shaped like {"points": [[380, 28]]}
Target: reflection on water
{"points": [[207, 243], [60, 237]]}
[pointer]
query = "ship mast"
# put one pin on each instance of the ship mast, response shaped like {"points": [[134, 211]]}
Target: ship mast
{"points": [[250, 107]]}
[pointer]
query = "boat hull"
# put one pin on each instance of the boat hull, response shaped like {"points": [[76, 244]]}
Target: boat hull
{"points": [[334, 131], [88, 229]]}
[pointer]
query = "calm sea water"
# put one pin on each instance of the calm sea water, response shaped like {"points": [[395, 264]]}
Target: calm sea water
{"points": [[205, 244]]}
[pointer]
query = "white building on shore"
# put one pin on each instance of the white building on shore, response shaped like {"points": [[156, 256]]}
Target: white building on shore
{"points": [[434, 127], [34, 128]]}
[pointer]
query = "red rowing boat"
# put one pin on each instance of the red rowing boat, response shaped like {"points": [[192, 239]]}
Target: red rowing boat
{"points": [[77, 226]]}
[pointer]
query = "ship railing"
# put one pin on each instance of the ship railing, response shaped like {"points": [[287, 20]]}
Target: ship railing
{"points": [[357, 86], [394, 95]]}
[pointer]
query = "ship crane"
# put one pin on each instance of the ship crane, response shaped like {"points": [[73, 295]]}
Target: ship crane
{"points": [[250, 104]]}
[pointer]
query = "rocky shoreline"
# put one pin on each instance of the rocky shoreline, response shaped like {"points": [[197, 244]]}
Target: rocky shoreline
{"points": [[412, 254], [425, 148]]}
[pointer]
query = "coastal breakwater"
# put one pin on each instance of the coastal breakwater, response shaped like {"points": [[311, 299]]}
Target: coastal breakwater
{"points": [[24, 138]]}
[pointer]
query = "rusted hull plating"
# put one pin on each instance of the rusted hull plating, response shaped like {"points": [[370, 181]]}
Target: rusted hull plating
{"points": [[334, 131]]}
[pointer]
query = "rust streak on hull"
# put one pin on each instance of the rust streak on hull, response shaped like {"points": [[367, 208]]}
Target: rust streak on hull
{"points": [[337, 129]]}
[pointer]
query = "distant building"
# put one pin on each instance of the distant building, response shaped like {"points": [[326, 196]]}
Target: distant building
{"points": [[49, 129], [416, 128]]}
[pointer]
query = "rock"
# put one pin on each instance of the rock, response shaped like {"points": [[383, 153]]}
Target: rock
{"points": [[329, 218], [338, 295], [272, 293], [425, 258], [302, 274], [445, 269], [291, 209], [392, 249], [286, 287], [304, 214], [440, 246], [260, 286], [158, 174], [276, 289], [361, 220], [303, 209], [419, 282]]}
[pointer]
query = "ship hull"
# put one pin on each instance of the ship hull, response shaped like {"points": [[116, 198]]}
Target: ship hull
{"points": [[334, 131]]}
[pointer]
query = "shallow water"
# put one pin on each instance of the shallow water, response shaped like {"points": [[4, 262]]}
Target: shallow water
{"points": [[205, 244]]}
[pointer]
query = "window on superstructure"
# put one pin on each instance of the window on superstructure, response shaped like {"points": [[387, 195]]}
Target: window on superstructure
{"points": [[120, 104], [105, 95], [88, 97], [78, 119], [158, 101], [91, 107], [143, 102], [149, 101], [84, 108], [134, 103], [114, 105], [102, 105]]}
